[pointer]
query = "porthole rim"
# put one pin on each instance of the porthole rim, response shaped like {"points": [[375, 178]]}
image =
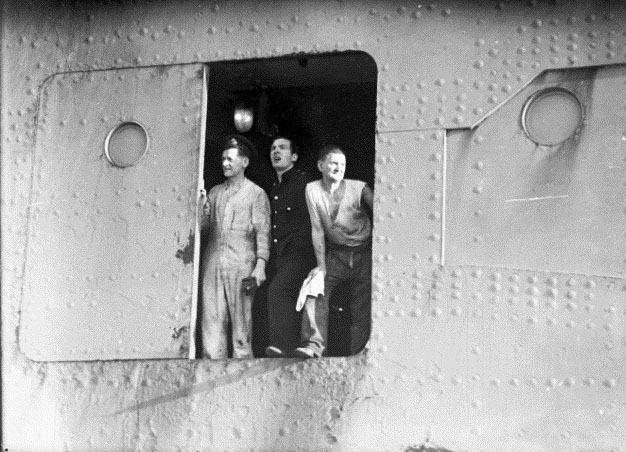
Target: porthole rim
{"points": [[119, 126], [542, 92]]}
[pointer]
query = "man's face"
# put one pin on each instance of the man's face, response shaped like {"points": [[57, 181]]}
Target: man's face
{"points": [[281, 156], [233, 164], [333, 167]]}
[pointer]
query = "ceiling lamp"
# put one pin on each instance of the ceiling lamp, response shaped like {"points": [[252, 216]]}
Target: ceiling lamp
{"points": [[243, 118]]}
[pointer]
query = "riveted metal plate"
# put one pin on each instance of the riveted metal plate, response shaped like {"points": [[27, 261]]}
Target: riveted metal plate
{"points": [[109, 271], [517, 204], [407, 219]]}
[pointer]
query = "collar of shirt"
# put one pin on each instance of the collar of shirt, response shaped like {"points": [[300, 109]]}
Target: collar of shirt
{"points": [[234, 187], [285, 178]]}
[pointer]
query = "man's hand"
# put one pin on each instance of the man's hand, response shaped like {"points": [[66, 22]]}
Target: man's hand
{"points": [[203, 206], [259, 275], [259, 272]]}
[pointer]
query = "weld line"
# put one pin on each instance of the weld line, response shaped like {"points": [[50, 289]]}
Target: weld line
{"points": [[444, 195], [536, 199]]}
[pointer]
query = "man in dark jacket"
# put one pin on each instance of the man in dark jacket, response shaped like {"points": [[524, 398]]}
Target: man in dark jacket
{"points": [[291, 250]]}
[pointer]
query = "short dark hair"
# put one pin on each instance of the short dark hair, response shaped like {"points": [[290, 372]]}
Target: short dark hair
{"points": [[244, 147], [329, 149], [295, 149]]}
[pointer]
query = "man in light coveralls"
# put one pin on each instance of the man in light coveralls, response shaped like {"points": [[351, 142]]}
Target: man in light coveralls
{"points": [[237, 215]]}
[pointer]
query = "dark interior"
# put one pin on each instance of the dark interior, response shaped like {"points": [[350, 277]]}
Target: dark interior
{"points": [[314, 99]]}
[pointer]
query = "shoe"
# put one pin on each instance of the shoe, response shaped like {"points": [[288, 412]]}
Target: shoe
{"points": [[304, 352], [274, 352]]}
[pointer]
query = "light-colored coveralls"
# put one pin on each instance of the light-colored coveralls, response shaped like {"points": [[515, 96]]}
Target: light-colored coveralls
{"points": [[239, 233]]}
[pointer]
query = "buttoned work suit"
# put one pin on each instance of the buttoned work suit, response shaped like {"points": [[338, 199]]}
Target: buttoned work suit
{"points": [[238, 225], [291, 257]]}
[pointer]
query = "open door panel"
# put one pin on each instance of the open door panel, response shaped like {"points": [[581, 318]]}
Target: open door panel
{"points": [[110, 260]]}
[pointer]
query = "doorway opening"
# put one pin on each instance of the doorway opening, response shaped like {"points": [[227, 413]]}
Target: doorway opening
{"points": [[315, 100]]}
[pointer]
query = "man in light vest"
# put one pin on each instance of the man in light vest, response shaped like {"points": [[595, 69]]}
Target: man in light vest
{"points": [[340, 211]]}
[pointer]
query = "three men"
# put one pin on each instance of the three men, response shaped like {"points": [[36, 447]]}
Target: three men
{"points": [[340, 211], [291, 256], [326, 222], [237, 214]]}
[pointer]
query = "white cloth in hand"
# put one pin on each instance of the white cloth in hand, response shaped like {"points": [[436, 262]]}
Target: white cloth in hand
{"points": [[313, 286]]}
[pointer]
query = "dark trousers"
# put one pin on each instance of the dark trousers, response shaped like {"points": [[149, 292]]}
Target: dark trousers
{"points": [[343, 267], [287, 273]]}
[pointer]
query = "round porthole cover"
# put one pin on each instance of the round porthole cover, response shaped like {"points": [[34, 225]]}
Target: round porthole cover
{"points": [[552, 115], [126, 144]]}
